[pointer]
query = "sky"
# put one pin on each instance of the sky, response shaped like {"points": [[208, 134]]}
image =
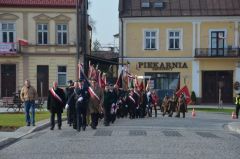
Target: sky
{"points": [[105, 15]]}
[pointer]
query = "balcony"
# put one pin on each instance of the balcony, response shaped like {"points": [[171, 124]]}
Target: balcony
{"points": [[9, 49], [217, 53]]}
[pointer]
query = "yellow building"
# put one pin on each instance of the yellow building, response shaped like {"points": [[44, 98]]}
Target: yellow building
{"points": [[182, 42], [50, 29]]}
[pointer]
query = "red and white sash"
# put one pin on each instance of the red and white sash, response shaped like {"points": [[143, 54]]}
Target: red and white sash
{"points": [[93, 94], [131, 98], [54, 94], [137, 93]]}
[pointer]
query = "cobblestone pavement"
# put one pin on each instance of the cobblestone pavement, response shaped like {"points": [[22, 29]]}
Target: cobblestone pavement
{"points": [[204, 137]]}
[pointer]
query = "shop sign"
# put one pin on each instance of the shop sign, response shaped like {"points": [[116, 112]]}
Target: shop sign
{"points": [[163, 65]]}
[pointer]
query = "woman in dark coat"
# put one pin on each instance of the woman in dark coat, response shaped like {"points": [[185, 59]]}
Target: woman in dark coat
{"points": [[56, 104]]}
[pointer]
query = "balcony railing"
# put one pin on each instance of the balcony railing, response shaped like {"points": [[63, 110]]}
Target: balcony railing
{"points": [[8, 48], [208, 52]]}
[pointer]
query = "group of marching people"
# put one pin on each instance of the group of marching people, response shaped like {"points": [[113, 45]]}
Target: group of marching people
{"points": [[87, 105]]}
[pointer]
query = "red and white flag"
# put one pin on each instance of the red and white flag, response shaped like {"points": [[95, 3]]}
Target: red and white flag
{"points": [[186, 93], [23, 42]]}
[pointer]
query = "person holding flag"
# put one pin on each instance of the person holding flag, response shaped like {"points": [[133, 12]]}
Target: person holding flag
{"points": [[95, 103], [55, 104]]}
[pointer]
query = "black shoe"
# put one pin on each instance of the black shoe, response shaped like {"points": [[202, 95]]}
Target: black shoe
{"points": [[51, 128], [177, 116], [59, 128], [84, 128], [79, 129], [28, 124]]}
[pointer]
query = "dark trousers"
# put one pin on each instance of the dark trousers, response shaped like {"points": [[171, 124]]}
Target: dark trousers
{"points": [[94, 118], [107, 115], [69, 119], [59, 119], [155, 110], [237, 110], [182, 110], [81, 115]]}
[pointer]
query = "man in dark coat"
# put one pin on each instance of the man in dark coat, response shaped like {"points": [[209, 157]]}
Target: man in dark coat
{"points": [[71, 108], [109, 99], [55, 104], [80, 98]]}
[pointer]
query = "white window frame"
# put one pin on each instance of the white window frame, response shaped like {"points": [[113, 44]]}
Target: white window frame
{"points": [[156, 39], [43, 31], [180, 30], [14, 31], [61, 73], [210, 36], [61, 31]]}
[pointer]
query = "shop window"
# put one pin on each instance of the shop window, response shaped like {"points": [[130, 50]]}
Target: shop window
{"points": [[42, 34], [62, 75], [151, 39], [62, 34], [165, 81], [174, 39]]}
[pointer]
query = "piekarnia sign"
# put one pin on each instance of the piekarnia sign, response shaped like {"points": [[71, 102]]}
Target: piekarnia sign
{"points": [[162, 65]]}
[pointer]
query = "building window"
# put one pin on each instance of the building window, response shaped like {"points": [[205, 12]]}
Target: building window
{"points": [[62, 34], [42, 33], [150, 39], [8, 32], [62, 75], [174, 40]]}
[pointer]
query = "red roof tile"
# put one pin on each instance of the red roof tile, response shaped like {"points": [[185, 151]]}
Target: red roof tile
{"points": [[39, 3]]}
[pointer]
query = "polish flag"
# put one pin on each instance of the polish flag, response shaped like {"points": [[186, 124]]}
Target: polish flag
{"points": [[186, 93], [23, 42]]}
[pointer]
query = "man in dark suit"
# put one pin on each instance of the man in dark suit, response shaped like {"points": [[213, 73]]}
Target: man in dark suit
{"points": [[80, 98], [55, 104]]}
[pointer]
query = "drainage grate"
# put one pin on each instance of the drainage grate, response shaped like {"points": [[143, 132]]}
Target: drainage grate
{"points": [[172, 133], [103, 133], [137, 133], [207, 134]]}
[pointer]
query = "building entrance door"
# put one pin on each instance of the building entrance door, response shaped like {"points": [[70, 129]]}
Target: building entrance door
{"points": [[8, 79], [42, 80], [215, 82]]}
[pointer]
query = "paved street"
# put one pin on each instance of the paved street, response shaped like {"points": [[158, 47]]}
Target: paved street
{"points": [[204, 137]]}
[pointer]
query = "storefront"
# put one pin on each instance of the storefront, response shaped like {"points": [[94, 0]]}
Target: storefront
{"points": [[166, 75]]}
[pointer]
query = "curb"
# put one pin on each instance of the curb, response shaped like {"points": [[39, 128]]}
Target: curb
{"points": [[40, 126], [234, 126]]}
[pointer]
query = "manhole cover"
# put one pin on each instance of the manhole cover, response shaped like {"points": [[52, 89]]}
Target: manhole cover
{"points": [[103, 133], [172, 133], [207, 134], [137, 133]]}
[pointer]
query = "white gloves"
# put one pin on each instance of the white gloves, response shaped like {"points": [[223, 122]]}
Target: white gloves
{"points": [[66, 106], [80, 99]]}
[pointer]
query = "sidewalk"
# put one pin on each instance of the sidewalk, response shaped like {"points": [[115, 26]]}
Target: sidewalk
{"points": [[7, 138]]}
